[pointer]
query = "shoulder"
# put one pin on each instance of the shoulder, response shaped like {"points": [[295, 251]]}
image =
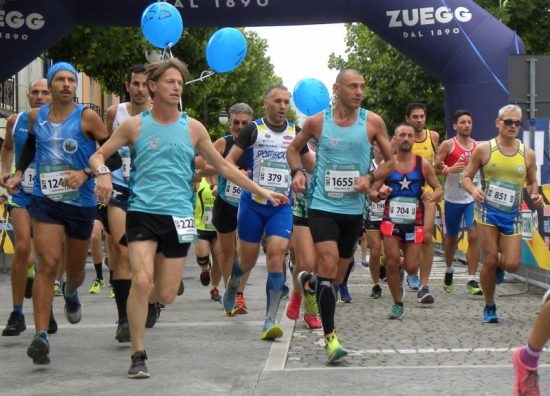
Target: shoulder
{"points": [[375, 119], [11, 120], [446, 145], [111, 111], [434, 136]]}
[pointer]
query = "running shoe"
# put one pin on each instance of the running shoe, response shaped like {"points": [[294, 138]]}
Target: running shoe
{"points": [[52, 326], [215, 294], [111, 291], [240, 305], [546, 297], [344, 293], [293, 306], [527, 379], [181, 289], [365, 263], [490, 314], [285, 290], [312, 321], [308, 293], [230, 296], [97, 286], [205, 275], [473, 288], [376, 292], [413, 281], [138, 368], [39, 350], [397, 312], [153, 313], [424, 297], [122, 331], [271, 331], [500, 276], [448, 286], [28, 286], [334, 349], [73, 306], [16, 325], [57, 290]]}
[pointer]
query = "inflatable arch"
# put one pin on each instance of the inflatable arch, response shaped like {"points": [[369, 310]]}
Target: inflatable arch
{"points": [[456, 41]]}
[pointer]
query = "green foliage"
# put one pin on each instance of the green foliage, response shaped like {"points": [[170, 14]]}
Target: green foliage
{"points": [[385, 94], [105, 54]]}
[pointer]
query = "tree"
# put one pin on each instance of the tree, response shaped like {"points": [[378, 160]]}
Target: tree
{"points": [[105, 54]]}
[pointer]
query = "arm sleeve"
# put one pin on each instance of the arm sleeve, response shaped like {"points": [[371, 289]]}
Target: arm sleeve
{"points": [[28, 153]]}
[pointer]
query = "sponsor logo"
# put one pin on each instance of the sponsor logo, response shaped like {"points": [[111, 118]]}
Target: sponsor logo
{"points": [[16, 20], [70, 146], [521, 169], [268, 154], [287, 137], [154, 143]]}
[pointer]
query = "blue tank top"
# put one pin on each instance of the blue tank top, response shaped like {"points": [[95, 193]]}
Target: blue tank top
{"points": [[343, 154], [20, 134], [230, 192], [163, 162], [61, 146]]}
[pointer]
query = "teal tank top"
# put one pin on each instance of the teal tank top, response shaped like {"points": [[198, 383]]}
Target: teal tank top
{"points": [[343, 154], [163, 163]]}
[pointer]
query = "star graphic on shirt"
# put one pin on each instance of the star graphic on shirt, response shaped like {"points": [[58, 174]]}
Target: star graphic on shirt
{"points": [[405, 184]]}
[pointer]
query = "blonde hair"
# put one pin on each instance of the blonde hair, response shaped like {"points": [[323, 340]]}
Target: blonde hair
{"points": [[154, 70]]}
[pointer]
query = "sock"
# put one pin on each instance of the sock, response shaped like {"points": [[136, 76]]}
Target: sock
{"points": [[43, 334], [529, 356], [70, 295], [273, 289], [98, 270], [18, 308], [58, 283], [449, 270], [471, 278], [236, 272], [326, 300], [348, 272], [122, 289]]}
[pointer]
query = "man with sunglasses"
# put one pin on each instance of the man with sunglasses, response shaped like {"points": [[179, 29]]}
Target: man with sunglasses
{"points": [[505, 165], [226, 205]]}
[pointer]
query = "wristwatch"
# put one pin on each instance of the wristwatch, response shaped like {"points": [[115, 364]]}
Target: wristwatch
{"points": [[88, 172], [102, 170], [293, 171]]}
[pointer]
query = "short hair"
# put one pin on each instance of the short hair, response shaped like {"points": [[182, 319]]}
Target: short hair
{"points": [[401, 125], [241, 108], [509, 108], [273, 87], [460, 113], [413, 106], [342, 74], [136, 69], [154, 70], [34, 82]]}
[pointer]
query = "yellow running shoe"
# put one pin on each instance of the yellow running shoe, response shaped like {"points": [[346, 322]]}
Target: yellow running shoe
{"points": [[271, 331], [334, 349], [57, 290], [111, 291], [97, 286]]}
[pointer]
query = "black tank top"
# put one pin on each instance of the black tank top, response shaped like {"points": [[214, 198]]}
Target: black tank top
{"points": [[229, 142]]}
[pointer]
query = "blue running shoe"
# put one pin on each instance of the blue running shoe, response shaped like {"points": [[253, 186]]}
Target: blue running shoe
{"points": [[490, 314], [230, 296], [413, 281], [344, 293], [73, 306], [271, 331], [500, 275], [365, 263]]}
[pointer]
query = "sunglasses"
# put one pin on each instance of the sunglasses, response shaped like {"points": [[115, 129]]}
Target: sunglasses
{"points": [[239, 122], [509, 122]]}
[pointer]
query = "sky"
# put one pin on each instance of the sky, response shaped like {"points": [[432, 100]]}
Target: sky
{"points": [[299, 52]]}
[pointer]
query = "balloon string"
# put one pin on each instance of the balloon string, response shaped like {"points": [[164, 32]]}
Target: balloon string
{"points": [[204, 75]]}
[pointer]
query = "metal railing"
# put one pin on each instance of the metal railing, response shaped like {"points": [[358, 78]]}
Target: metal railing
{"points": [[95, 108], [8, 97]]}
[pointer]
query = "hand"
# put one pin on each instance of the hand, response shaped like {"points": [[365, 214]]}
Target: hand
{"points": [[427, 196], [362, 184], [445, 171], [214, 189], [103, 188], [298, 182], [384, 192], [4, 179], [74, 179], [275, 198], [12, 183], [537, 200], [458, 167], [478, 195]]}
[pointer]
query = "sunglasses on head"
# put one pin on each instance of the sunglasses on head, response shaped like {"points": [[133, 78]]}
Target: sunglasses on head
{"points": [[509, 122], [239, 122]]}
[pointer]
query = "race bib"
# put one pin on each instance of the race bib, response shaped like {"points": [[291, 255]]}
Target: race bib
{"points": [[275, 176], [377, 210], [126, 163], [185, 227], [51, 177], [526, 224], [27, 182], [403, 210], [501, 195], [340, 180], [233, 192], [208, 218]]}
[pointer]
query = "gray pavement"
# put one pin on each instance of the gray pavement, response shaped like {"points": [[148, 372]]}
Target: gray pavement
{"points": [[194, 350]]}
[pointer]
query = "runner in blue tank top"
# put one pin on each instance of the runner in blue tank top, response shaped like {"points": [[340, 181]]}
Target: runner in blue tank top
{"points": [[62, 135], [159, 223], [17, 130], [340, 180]]}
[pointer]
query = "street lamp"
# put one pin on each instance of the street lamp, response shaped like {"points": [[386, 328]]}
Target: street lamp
{"points": [[223, 117]]}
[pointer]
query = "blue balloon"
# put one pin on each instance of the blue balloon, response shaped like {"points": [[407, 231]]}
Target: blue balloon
{"points": [[161, 24], [311, 96], [225, 50]]}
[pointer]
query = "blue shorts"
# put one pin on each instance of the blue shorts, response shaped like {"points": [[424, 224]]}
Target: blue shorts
{"points": [[20, 200], [454, 213], [508, 224], [120, 197], [253, 218], [207, 235], [77, 220]]}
